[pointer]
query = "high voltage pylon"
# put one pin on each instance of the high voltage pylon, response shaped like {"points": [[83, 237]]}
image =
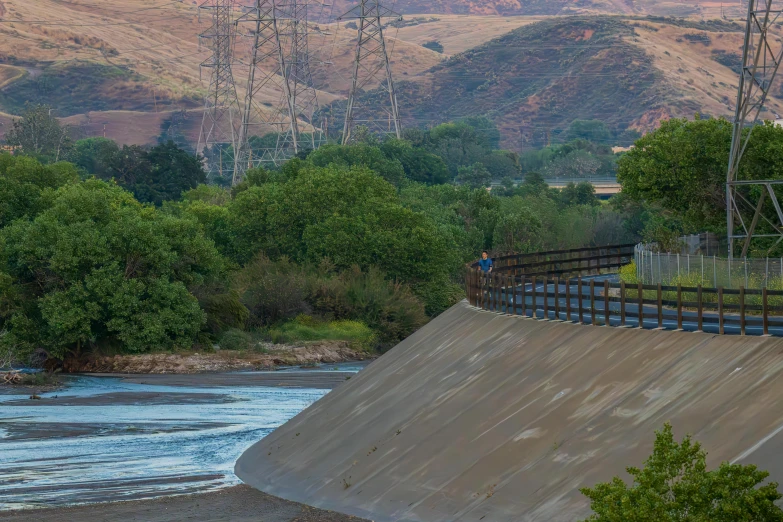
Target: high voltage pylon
{"points": [[304, 98], [762, 54], [279, 64], [220, 124], [371, 67]]}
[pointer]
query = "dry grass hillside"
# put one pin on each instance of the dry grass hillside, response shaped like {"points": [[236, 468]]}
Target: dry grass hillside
{"points": [[630, 72], [127, 67]]}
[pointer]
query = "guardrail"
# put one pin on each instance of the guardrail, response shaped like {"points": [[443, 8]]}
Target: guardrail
{"points": [[573, 285]]}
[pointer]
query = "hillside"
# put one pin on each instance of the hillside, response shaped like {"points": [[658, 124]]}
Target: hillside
{"points": [[691, 8], [628, 72], [130, 68]]}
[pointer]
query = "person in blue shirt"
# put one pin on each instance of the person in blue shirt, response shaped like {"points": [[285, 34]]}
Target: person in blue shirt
{"points": [[485, 263]]}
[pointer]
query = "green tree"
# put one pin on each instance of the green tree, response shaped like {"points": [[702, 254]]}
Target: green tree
{"points": [[99, 268], [39, 134], [518, 232], [591, 130], [682, 168], [358, 154], [582, 193], [94, 155], [474, 176], [675, 485], [172, 172], [419, 165], [27, 187]]}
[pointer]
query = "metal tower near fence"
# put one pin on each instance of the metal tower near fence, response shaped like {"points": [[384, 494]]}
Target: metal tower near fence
{"points": [[371, 67], [762, 54], [220, 124]]}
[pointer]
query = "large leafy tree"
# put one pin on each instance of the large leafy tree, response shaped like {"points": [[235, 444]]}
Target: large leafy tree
{"points": [[38, 133], [27, 187], [359, 154], [419, 165], [675, 486], [681, 167], [97, 268]]}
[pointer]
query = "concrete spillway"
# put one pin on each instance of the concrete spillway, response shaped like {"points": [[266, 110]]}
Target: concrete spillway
{"points": [[480, 416]]}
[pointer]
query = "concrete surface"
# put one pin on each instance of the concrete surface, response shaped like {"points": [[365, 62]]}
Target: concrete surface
{"points": [[480, 416]]}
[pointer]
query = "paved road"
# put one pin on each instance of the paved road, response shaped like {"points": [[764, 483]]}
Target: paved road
{"points": [[753, 324]]}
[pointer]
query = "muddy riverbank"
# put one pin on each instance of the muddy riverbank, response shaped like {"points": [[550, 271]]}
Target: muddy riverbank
{"points": [[237, 504]]}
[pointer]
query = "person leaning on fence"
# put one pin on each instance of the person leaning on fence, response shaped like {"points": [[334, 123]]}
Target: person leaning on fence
{"points": [[485, 263]]}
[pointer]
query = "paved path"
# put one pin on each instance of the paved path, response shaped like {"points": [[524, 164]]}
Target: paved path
{"points": [[753, 323]]}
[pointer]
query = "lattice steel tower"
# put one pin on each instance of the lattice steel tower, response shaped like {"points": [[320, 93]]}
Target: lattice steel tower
{"points": [[371, 67], [220, 124], [280, 66], [304, 99], [762, 54]]}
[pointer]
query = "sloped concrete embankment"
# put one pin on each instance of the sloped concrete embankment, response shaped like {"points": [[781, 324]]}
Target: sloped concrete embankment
{"points": [[480, 416]]}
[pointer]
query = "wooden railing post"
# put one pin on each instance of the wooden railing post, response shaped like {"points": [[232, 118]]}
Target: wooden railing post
{"points": [[742, 309], [568, 300], [765, 310], [641, 305], [514, 294], [607, 322], [679, 307], [720, 310], [579, 299], [546, 297], [593, 322], [534, 292], [622, 303], [700, 312], [557, 298], [524, 297], [660, 306]]}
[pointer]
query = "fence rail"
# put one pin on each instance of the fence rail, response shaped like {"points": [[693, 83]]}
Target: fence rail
{"points": [[533, 285]]}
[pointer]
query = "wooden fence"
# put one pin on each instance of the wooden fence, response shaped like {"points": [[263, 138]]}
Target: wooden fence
{"points": [[517, 288]]}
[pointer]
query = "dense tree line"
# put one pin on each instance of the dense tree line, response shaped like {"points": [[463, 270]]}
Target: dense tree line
{"points": [[128, 248]]}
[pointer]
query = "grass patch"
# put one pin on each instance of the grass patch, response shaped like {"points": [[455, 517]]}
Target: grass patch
{"points": [[306, 328]]}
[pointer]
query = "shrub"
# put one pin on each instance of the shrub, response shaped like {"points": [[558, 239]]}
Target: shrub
{"points": [[234, 339], [305, 328], [272, 291], [628, 273], [675, 485], [389, 308]]}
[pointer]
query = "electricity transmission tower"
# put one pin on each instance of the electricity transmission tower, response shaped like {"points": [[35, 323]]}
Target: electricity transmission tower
{"points": [[220, 124], [280, 65], [304, 100], [370, 68], [762, 54]]}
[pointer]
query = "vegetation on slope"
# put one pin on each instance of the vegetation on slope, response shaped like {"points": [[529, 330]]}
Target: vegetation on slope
{"points": [[676, 485]]}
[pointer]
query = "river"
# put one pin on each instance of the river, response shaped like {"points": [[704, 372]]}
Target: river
{"points": [[102, 439]]}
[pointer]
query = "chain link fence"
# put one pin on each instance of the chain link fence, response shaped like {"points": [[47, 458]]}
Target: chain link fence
{"points": [[671, 269]]}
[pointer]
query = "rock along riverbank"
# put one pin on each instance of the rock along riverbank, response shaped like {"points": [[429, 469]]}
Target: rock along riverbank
{"points": [[265, 357]]}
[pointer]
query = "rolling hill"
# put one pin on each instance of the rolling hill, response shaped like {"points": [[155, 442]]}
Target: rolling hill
{"points": [[629, 72], [129, 68]]}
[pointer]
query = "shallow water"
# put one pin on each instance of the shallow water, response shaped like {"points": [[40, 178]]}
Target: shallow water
{"points": [[114, 440]]}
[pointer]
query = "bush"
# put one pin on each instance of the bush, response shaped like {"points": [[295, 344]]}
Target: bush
{"points": [[305, 328], [234, 339], [628, 273], [674, 485], [389, 308], [272, 291]]}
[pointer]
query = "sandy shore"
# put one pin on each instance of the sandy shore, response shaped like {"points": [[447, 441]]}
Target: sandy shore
{"points": [[237, 504]]}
